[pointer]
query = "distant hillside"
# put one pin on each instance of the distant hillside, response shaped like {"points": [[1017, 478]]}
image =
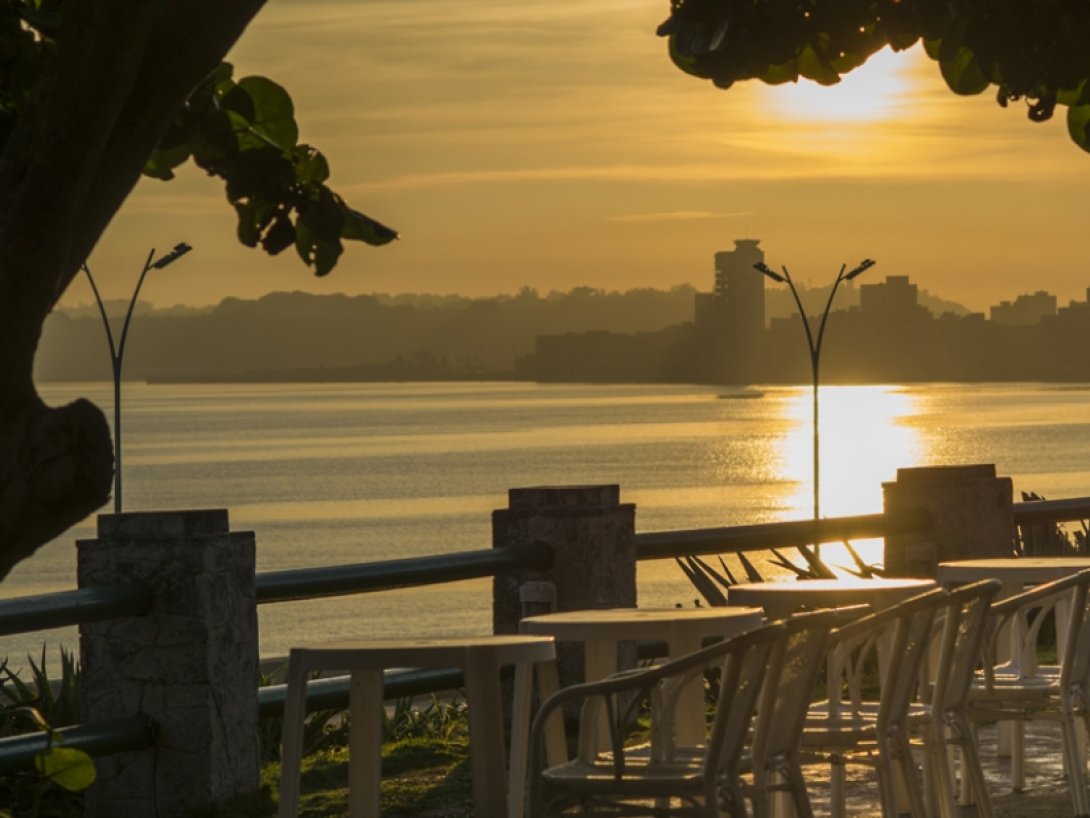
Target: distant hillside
{"points": [[376, 334]]}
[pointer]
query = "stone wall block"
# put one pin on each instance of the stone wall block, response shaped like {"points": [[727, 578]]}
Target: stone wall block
{"points": [[191, 664], [972, 510], [592, 535]]}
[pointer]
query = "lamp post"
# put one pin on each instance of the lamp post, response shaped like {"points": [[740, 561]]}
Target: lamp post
{"points": [[117, 352], [814, 343]]}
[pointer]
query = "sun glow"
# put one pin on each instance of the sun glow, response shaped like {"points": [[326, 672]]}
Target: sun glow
{"points": [[863, 442], [870, 93]]}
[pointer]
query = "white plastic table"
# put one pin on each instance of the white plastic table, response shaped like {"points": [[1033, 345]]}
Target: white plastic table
{"points": [[495, 795], [1014, 572], [683, 630], [781, 599]]}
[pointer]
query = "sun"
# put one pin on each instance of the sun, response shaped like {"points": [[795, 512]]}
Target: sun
{"points": [[872, 92]]}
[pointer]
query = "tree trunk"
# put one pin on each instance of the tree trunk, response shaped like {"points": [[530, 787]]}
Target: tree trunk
{"points": [[57, 469], [122, 70]]}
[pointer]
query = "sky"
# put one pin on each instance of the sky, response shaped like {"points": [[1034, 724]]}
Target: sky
{"points": [[552, 144]]}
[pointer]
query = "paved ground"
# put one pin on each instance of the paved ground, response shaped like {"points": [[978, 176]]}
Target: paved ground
{"points": [[1046, 794]]}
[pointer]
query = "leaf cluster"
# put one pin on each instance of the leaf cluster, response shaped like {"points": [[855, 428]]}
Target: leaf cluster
{"points": [[245, 133], [1031, 50], [58, 770], [27, 28]]}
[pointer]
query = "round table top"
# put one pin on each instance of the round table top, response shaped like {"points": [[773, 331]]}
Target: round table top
{"points": [[1012, 569], [642, 623], [781, 597]]}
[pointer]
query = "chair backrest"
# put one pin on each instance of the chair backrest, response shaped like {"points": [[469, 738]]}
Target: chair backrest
{"points": [[1071, 592], [743, 671], [792, 677], [1075, 652], [901, 635], [965, 616]]}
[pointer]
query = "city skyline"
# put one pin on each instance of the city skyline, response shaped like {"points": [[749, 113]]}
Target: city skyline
{"points": [[554, 145]]}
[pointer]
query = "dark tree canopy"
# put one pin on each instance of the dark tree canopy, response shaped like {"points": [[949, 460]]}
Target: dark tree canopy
{"points": [[1032, 50], [94, 93]]}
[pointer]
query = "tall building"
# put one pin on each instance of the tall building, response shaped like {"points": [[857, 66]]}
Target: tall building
{"points": [[730, 320], [743, 288], [1025, 311]]}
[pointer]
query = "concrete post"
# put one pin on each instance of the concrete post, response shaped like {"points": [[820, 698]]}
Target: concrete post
{"points": [[191, 664], [972, 509], [593, 539]]}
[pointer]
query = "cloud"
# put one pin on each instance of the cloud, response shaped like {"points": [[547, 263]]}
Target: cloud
{"points": [[676, 216]]}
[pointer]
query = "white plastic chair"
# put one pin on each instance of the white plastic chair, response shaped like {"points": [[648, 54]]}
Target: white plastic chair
{"points": [[850, 729], [676, 780], [775, 759], [964, 627], [1021, 691]]}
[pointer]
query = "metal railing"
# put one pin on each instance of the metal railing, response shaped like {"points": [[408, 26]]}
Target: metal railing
{"points": [[66, 608]]}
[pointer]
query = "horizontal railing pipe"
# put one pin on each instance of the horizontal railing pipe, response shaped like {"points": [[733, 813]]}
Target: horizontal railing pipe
{"points": [[1035, 512], [312, 583], [131, 733], [763, 536], [332, 693], [57, 610]]}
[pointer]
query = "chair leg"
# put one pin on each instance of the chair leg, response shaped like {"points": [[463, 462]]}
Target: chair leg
{"points": [[973, 775], [794, 778], [887, 787], [837, 793], [973, 789], [1075, 766], [907, 766], [939, 777], [1018, 755]]}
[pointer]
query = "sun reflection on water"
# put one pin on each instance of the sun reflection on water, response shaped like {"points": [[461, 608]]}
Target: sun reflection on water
{"points": [[864, 439]]}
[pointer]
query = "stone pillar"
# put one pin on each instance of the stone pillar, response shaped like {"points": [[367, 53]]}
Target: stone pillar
{"points": [[191, 664], [593, 536], [972, 510]]}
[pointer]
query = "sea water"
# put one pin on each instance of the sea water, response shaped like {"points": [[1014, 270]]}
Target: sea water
{"points": [[329, 474]]}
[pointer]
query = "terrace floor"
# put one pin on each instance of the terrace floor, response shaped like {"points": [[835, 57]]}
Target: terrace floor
{"points": [[1046, 794]]}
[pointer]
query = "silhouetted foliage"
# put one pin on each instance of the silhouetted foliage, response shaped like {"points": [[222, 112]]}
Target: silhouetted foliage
{"points": [[1032, 50], [92, 95]]}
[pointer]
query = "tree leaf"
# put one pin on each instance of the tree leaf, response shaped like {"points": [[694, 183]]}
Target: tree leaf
{"points": [[273, 116], [310, 166], [814, 67], [1079, 95], [254, 216], [161, 163], [315, 250], [363, 228], [779, 74], [66, 767], [963, 73], [1078, 125]]}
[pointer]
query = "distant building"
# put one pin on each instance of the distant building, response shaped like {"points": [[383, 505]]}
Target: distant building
{"points": [[895, 298], [1025, 310], [730, 320]]}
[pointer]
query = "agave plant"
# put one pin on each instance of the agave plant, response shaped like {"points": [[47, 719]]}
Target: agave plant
{"points": [[1049, 539], [714, 584], [42, 706]]}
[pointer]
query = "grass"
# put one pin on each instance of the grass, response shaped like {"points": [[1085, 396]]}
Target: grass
{"points": [[425, 766], [426, 777]]}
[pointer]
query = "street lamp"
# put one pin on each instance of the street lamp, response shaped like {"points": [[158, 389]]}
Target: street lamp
{"points": [[814, 344], [117, 353]]}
